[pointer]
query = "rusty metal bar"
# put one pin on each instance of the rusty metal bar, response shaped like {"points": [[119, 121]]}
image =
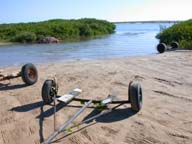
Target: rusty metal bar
{"points": [[10, 76]]}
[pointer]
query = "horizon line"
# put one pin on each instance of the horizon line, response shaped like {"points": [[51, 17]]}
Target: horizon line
{"points": [[134, 21], [149, 21]]}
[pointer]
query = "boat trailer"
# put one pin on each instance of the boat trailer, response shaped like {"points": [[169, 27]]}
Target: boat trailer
{"points": [[49, 95], [28, 74], [162, 47]]}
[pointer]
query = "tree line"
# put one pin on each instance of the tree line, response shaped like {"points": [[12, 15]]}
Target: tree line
{"points": [[63, 30]]}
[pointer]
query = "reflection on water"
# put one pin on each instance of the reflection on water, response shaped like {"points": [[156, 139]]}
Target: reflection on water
{"points": [[128, 40]]}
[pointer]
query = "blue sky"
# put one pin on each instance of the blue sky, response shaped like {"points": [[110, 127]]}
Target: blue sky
{"points": [[13, 11]]}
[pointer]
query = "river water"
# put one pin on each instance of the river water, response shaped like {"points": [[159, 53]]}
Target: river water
{"points": [[130, 39]]}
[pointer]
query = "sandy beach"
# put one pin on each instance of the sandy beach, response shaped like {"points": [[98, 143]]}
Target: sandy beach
{"points": [[165, 118]]}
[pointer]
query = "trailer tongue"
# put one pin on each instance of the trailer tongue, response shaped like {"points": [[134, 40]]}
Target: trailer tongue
{"points": [[64, 126]]}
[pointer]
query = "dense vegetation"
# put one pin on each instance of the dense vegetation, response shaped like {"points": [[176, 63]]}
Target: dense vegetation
{"points": [[180, 32], [61, 29]]}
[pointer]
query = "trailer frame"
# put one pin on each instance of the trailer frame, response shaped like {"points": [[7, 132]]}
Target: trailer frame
{"points": [[49, 95]]}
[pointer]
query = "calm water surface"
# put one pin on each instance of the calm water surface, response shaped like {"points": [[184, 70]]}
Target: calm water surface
{"points": [[130, 39]]}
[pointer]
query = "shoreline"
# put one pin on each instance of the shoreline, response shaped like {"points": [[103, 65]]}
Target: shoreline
{"points": [[5, 43], [89, 60], [8, 43], [71, 61]]}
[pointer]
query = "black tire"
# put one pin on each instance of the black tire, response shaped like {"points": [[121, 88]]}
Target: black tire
{"points": [[29, 74], [135, 95], [161, 48], [48, 91], [174, 45]]}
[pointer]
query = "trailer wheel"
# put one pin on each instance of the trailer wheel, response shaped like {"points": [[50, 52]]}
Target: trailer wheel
{"points": [[49, 91], [174, 45], [29, 74], [161, 47], [135, 95]]}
